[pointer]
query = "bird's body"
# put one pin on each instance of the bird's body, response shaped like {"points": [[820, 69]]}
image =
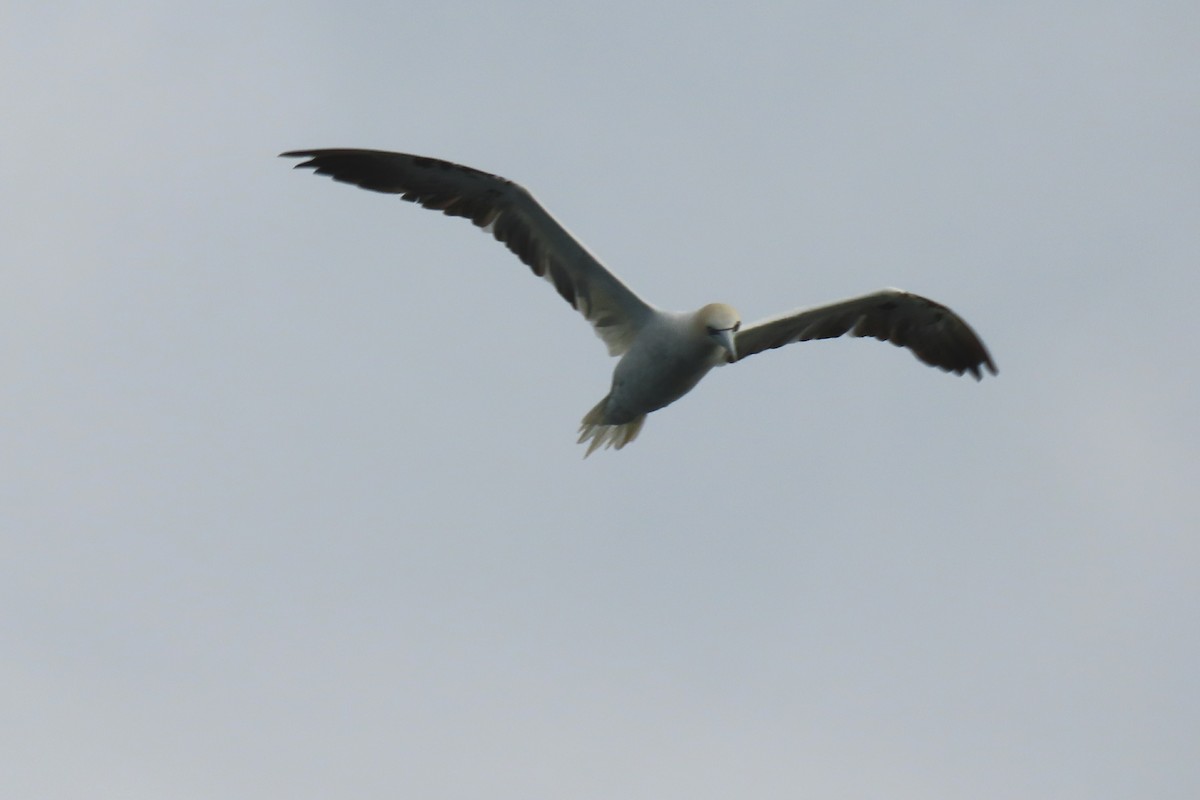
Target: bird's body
{"points": [[668, 357], [663, 354]]}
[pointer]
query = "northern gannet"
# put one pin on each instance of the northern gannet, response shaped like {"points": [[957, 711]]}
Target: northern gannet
{"points": [[664, 354]]}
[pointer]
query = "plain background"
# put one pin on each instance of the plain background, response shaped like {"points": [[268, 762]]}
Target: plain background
{"points": [[292, 506]]}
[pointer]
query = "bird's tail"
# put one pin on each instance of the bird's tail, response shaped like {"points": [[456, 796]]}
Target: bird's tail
{"points": [[598, 434]]}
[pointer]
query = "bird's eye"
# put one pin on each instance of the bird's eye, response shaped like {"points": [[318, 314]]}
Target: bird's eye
{"points": [[737, 326]]}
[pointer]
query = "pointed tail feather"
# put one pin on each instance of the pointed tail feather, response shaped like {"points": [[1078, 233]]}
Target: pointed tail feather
{"points": [[594, 431]]}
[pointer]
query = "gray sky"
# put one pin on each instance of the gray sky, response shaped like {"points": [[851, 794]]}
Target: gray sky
{"points": [[292, 506]]}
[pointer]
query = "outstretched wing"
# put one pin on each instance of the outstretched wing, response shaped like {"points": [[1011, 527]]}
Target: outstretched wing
{"points": [[509, 213], [934, 333]]}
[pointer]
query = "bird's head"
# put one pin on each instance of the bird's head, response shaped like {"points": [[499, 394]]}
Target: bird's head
{"points": [[720, 322]]}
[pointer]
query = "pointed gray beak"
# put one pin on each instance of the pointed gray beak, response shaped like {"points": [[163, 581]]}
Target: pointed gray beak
{"points": [[726, 340]]}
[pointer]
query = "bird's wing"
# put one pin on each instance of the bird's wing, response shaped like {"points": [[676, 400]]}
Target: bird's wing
{"points": [[934, 333], [509, 213]]}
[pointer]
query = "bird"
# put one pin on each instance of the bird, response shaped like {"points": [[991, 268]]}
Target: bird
{"points": [[663, 354]]}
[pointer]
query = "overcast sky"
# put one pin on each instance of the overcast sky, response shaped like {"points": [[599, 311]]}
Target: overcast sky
{"points": [[292, 506]]}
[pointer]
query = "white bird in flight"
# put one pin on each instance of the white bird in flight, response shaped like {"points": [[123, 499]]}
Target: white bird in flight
{"points": [[664, 354]]}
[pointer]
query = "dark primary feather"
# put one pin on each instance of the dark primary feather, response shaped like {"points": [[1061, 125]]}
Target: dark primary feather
{"points": [[506, 210], [934, 333]]}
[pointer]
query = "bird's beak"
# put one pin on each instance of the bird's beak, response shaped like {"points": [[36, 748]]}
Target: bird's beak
{"points": [[725, 339]]}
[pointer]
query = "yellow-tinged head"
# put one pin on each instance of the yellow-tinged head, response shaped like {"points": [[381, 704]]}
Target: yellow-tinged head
{"points": [[720, 322]]}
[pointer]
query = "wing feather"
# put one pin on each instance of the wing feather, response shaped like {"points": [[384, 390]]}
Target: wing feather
{"points": [[934, 333], [510, 214]]}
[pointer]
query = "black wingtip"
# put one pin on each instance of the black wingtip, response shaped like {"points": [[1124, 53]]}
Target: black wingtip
{"points": [[309, 162], [309, 155], [987, 362], [976, 370]]}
